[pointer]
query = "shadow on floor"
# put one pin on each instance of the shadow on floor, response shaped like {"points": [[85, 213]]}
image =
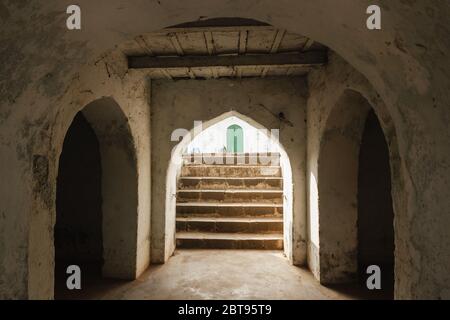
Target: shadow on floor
{"points": [[218, 274], [92, 284]]}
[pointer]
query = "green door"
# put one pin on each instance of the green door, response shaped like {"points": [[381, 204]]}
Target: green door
{"points": [[235, 139]]}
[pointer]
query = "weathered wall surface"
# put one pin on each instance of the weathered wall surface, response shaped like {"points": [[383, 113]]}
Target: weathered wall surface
{"points": [[327, 86], [176, 105], [407, 63], [106, 77]]}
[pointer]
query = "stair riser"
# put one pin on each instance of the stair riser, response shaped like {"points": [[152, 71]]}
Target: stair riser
{"points": [[246, 227], [184, 196], [229, 244], [231, 184], [217, 171], [230, 211]]}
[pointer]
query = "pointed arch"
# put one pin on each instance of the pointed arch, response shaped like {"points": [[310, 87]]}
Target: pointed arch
{"points": [[173, 172], [336, 183], [119, 187]]}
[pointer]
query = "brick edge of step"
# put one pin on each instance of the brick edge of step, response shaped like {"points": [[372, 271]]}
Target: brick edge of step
{"points": [[229, 219], [230, 204], [259, 225], [209, 240]]}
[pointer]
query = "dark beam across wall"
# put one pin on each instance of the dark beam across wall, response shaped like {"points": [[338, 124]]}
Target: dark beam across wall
{"points": [[306, 59]]}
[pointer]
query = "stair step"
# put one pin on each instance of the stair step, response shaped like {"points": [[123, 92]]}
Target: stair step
{"points": [[230, 209], [230, 183], [233, 178], [230, 201], [251, 191], [232, 159], [230, 171], [239, 205], [211, 240], [232, 154], [230, 224], [230, 195]]}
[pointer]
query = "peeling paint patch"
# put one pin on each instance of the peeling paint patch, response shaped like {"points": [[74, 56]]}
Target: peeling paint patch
{"points": [[40, 175]]}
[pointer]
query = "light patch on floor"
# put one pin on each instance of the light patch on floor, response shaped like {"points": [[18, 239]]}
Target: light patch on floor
{"points": [[221, 274]]}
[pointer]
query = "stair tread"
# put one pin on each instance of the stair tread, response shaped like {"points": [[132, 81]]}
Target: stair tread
{"points": [[229, 204], [225, 215], [233, 190], [230, 178], [231, 154], [230, 219], [246, 166], [228, 236]]}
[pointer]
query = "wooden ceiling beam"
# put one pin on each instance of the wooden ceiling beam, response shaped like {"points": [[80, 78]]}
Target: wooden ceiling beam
{"points": [[243, 36], [144, 45], [277, 40], [209, 41], [308, 44], [176, 44], [310, 58]]}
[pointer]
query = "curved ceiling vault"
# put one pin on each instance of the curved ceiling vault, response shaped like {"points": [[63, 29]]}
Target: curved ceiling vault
{"points": [[223, 48]]}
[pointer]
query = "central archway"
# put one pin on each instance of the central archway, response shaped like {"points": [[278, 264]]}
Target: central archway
{"points": [[261, 103], [176, 162]]}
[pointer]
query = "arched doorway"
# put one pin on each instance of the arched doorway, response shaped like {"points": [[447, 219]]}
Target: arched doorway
{"points": [[235, 139], [78, 228], [96, 220], [356, 219], [204, 102], [375, 212], [227, 199], [175, 170]]}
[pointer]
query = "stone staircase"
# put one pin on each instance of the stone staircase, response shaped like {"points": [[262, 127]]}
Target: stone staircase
{"points": [[234, 203]]}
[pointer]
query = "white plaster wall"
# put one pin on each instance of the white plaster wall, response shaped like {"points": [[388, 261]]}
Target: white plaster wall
{"points": [[327, 86], [407, 64], [214, 139], [260, 100], [130, 91]]}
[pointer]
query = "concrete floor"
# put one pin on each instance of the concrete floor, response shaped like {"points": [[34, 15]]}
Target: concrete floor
{"points": [[219, 274]]}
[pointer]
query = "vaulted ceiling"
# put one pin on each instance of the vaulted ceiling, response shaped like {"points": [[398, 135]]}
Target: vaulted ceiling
{"points": [[214, 52]]}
